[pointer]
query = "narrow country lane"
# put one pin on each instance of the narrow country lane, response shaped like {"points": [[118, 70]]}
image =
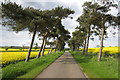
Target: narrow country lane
{"points": [[64, 67]]}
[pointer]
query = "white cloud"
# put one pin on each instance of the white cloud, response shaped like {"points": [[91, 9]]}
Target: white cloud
{"points": [[11, 38], [108, 42]]}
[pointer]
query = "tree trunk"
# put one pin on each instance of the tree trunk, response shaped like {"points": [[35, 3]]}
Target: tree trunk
{"points": [[87, 43], [56, 47], [101, 45], [78, 48], [32, 41], [39, 53], [84, 47], [73, 48], [50, 49], [44, 46]]}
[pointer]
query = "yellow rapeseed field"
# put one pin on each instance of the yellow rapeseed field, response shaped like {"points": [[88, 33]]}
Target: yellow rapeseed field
{"points": [[7, 57], [111, 50]]}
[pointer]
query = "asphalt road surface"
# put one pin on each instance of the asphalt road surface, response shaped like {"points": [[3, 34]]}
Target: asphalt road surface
{"points": [[64, 67]]}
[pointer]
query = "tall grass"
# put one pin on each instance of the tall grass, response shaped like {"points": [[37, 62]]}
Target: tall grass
{"points": [[107, 68]]}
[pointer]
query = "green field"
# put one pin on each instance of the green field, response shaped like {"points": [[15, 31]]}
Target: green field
{"points": [[107, 68]]}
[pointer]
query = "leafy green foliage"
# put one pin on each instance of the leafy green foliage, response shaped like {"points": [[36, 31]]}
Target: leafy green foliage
{"points": [[6, 48], [34, 20], [20, 49], [36, 46], [60, 13], [77, 39]]}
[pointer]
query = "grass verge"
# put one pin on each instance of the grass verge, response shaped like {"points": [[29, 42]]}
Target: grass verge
{"points": [[29, 69], [107, 68]]}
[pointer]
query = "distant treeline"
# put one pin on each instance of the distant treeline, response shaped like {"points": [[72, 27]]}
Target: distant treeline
{"points": [[14, 47], [18, 47]]}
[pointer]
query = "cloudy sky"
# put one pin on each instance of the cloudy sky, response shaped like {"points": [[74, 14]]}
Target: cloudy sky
{"points": [[9, 38]]}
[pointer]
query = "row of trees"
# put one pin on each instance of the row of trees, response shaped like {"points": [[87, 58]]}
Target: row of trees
{"points": [[95, 20], [46, 23]]}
